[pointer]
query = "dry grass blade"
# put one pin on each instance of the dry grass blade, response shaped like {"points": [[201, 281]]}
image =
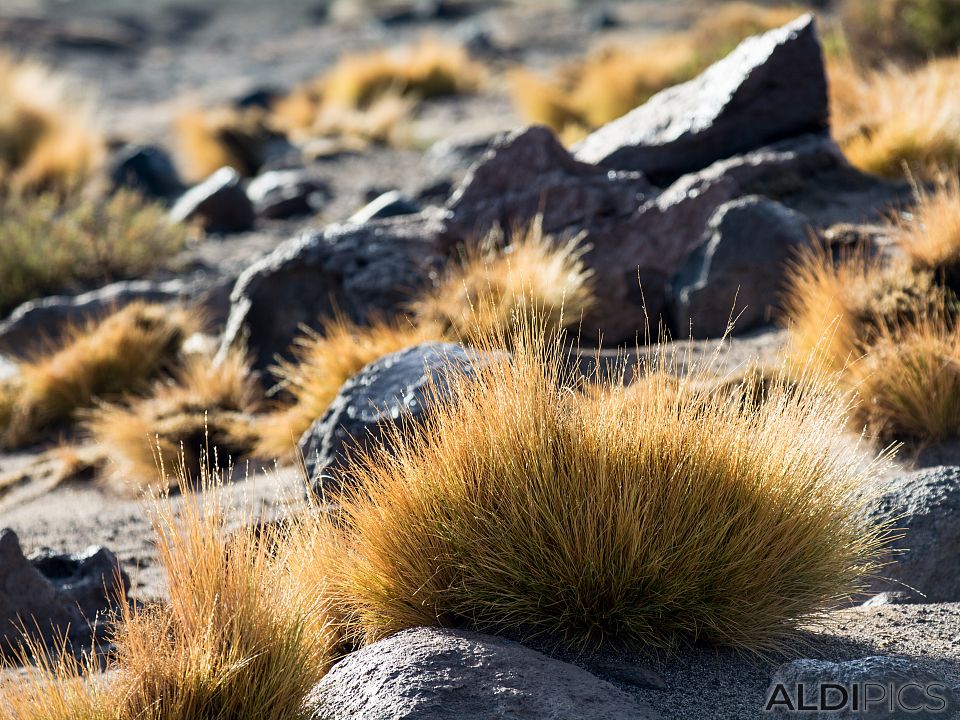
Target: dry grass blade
{"points": [[930, 233]]}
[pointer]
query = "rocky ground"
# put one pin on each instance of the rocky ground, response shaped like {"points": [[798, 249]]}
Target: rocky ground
{"points": [[146, 64]]}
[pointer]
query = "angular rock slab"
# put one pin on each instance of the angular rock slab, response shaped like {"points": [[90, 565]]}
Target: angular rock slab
{"points": [[219, 203], [925, 506], [772, 87], [438, 674], [55, 595], [361, 271], [917, 687], [401, 387], [739, 272]]}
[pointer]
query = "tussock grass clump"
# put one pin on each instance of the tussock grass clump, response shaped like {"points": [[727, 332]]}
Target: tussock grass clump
{"points": [[527, 507], [879, 30], [205, 411], [607, 84], [909, 384], [930, 234], [49, 243], [47, 137], [212, 139], [500, 280], [891, 120], [836, 310], [99, 360]]}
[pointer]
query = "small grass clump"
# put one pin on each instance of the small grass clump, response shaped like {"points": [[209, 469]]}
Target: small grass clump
{"points": [[51, 244], [529, 508], [500, 280], [224, 137], [929, 234], [895, 121], [204, 406], [47, 136], [908, 385], [836, 310], [99, 360], [910, 30], [612, 81], [321, 365]]}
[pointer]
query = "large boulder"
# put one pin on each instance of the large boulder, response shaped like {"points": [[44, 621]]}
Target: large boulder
{"points": [[219, 203], [871, 688], [772, 87], [925, 506], [738, 272], [439, 674], [360, 271], [402, 387], [55, 595]]}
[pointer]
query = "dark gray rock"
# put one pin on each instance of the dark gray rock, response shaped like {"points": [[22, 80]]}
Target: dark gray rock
{"points": [[397, 388], [453, 157], [772, 87], [146, 169], [925, 506], [361, 271], [894, 597], [281, 194], [219, 202], [438, 674], [55, 596], [738, 272], [386, 205], [909, 684], [37, 324]]}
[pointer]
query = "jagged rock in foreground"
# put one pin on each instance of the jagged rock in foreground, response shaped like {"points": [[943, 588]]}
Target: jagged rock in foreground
{"points": [[437, 674], [397, 388], [738, 272], [772, 87], [35, 324], [55, 595], [361, 271], [915, 692], [925, 506]]}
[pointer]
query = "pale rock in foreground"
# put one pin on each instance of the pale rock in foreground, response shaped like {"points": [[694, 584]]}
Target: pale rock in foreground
{"points": [[438, 674]]}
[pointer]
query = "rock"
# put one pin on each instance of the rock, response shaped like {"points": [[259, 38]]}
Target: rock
{"points": [[527, 173], [147, 169], [281, 194], [387, 205], [361, 271], [35, 324], [453, 157], [904, 597], [398, 387], [888, 688], [219, 202], [261, 96], [438, 674], [738, 272], [771, 88], [925, 506], [64, 602]]}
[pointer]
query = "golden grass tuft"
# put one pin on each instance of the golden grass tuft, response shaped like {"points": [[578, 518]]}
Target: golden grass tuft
{"points": [[908, 384], [47, 137], [99, 360], [930, 233], [527, 507], [204, 414], [223, 137], [836, 310], [499, 281], [894, 120], [610, 82], [50, 243], [321, 365]]}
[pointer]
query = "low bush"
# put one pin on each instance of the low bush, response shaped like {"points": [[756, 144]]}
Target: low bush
{"points": [[204, 413], [224, 137], [930, 234], [47, 136], [529, 508], [51, 244], [910, 30], [96, 361]]}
